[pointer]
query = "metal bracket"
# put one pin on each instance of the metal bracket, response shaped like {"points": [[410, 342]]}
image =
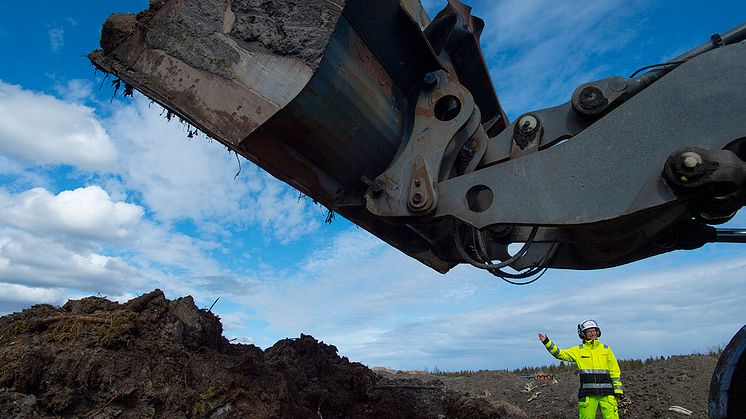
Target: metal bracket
{"points": [[421, 193], [409, 184]]}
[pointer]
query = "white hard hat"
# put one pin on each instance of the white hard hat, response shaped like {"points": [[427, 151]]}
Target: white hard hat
{"points": [[587, 324]]}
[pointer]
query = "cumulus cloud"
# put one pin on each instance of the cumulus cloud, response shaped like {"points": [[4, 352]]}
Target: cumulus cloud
{"points": [[82, 242], [56, 241], [193, 179], [34, 261], [45, 130], [14, 297], [84, 213]]}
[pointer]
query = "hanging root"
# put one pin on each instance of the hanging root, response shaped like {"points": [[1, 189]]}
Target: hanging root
{"points": [[329, 216]]}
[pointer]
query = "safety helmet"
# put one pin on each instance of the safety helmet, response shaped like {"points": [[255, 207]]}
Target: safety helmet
{"points": [[587, 324]]}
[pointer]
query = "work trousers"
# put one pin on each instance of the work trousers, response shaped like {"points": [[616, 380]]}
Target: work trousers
{"points": [[588, 405]]}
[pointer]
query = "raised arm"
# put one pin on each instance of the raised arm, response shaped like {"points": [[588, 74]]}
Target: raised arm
{"points": [[564, 355]]}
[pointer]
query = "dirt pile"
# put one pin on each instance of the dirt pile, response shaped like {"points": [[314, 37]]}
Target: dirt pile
{"points": [[154, 357]]}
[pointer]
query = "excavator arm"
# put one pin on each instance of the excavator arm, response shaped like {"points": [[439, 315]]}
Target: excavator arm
{"points": [[391, 120]]}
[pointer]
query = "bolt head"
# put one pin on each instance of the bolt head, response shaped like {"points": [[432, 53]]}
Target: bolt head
{"points": [[528, 123], [431, 80], [690, 162], [417, 198]]}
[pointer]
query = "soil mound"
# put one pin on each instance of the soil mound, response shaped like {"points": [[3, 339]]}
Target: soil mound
{"points": [[155, 357]]}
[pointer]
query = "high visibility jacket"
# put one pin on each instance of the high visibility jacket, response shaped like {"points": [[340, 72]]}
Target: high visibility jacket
{"points": [[597, 366]]}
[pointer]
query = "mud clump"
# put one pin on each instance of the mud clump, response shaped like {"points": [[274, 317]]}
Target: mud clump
{"points": [[155, 357], [203, 33]]}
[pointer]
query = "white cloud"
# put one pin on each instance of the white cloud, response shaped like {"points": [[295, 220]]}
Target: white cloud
{"points": [[84, 213], [38, 262], [164, 251], [380, 307], [75, 91], [355, 282], [193, 179], [671, 312], [56, 38], [46, 130], [52, 241], [14, 297]]}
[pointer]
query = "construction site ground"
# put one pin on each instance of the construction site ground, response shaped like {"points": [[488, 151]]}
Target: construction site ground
{"points": [[152, 357]]}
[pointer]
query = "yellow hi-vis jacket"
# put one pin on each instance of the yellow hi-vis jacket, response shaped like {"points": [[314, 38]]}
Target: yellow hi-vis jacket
{"points": [[597, 366]]}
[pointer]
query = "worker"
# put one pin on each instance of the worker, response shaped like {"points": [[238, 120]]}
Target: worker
{"points": [[600, 377]]}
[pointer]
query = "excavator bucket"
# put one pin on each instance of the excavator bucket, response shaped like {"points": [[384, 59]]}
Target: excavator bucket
{"points": [[319, 93]]}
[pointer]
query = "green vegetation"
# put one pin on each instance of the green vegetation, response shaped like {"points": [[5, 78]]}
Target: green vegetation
{"points": [[205, 403], [624, 365], [715, 351], [453, 374], [65, 330], [122, 318], [15, 328]]}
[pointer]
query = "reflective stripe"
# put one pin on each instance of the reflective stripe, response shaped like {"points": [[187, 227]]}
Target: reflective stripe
{"points": [[593, 371], [596, 385], [595, 378], [618, 388], [552, 348]]}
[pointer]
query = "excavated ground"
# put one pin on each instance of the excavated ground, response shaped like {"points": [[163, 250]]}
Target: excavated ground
{"points": [[650, 391], [151, 357], [154, 357]]}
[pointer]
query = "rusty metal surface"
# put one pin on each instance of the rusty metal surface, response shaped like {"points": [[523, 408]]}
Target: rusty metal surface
{"points": [[189, 57], [430, 136], [321, 125]]}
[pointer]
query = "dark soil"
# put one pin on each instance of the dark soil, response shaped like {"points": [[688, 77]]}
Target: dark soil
{"points": [[649, 391], [187, 30], [152, 357]]}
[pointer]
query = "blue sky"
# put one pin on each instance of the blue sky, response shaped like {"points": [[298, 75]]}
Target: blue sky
{"points": [[102, 196]]}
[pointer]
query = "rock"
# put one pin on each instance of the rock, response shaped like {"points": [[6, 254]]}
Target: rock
{"points": [[29, 400], [116, 29], [185, 310]]}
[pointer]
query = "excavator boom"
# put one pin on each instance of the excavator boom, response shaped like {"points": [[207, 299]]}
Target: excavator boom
{"points": [[391, 120]]}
